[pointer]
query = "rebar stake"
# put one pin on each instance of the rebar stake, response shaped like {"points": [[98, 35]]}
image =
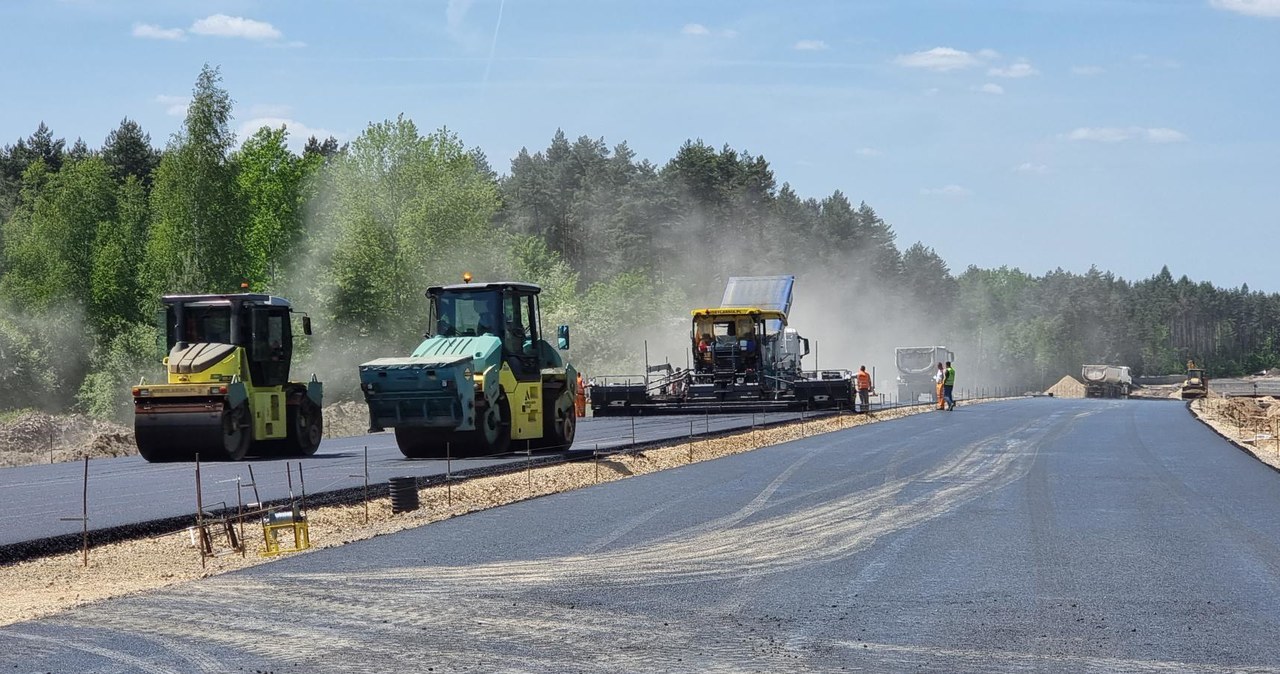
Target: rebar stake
{"points": [[84, 512]]}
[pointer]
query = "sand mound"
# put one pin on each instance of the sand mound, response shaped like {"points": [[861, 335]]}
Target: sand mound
{"points": [[1067, 387]]}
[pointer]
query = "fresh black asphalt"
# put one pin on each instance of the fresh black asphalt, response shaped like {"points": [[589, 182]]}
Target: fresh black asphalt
{"points": [[1035, 535], [128, 490]]}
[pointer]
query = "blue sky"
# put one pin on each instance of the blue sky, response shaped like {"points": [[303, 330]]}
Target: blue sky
{"points": [[1125, 134]]}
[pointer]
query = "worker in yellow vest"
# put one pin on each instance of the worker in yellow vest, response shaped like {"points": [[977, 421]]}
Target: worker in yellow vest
{"points": [[580, 400]]}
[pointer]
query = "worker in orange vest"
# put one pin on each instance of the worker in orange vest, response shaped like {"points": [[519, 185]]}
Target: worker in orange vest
{"points": [[938, 378], [864, 390], [580, 400]]}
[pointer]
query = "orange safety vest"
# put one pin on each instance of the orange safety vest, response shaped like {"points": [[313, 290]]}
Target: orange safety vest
{"points": [[864, 380], [580, 400]]}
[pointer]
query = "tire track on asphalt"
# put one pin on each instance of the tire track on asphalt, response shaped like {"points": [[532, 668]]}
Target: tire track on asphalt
{"points": [[900, 657], [128, 662]]}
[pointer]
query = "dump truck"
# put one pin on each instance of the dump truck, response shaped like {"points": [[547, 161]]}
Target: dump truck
{"points": [[1196, 383], [482, 379], [227, 391], [1106, 381], [917, 366], [743, 358]]}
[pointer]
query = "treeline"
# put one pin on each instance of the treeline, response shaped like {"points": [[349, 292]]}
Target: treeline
{"points": [[353, 233]]}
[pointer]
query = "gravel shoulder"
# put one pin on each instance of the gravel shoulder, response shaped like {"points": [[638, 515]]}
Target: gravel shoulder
{"points": [[1252, 424]]}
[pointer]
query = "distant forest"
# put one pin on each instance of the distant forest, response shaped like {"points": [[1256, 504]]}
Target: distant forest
{"points": [[354, 232]]}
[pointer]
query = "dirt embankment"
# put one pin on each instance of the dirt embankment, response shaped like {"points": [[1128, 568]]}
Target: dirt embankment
{"points": [[29, 437], [1251, 423], [48, 585], [36, 437]]}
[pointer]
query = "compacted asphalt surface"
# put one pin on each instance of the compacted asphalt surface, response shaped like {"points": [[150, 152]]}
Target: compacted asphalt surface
{"points": [[40, 501], [1043, 535]]}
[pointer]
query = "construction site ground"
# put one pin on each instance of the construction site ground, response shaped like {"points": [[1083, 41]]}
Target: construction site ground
{"points": [[29, 437], [48, 585]]}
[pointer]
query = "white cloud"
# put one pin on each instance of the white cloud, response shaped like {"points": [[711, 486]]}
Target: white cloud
{"points": [[943, 59], [1014, 71], [1105, 134], [1264, 8], [945, 191], [940, 59], [1086, 70], [1115, 134], [1029, 167], [221, 25], [988, 54], [298, 132], [990, 88], [1163, 136], [269, 110], [810, 45], [153, 32], [176, 106], [867, 152]]}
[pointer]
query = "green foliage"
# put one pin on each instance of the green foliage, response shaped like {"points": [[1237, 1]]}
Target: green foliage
{"points": [[269, 179], [198, 227], [43, 356], [117, 297], [400, 211], [49, 242], [617, 316], [128, 152], [116, 365]]}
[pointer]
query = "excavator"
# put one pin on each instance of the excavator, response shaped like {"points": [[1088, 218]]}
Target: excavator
{"points": [[227, 391]]}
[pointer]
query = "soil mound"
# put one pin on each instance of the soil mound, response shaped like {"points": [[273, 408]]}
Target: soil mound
{"points": [[37, 437], [30, 437], [1067, 387]]}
